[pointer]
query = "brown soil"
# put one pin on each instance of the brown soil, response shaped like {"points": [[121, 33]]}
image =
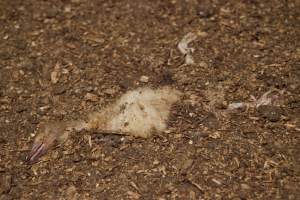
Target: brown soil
{"points": [[61, 59]]}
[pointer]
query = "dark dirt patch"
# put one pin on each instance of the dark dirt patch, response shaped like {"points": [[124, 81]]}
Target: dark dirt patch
{"points": [[53, 53]]}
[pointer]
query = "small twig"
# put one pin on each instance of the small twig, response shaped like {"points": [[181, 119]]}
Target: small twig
{"points": [[134, 186], [196, 185], [110, 132]]}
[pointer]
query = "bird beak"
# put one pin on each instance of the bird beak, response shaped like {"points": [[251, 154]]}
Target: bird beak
{"points": [[37, 151]]}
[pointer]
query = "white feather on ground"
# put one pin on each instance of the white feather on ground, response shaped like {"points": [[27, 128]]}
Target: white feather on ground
{"points": [[185, 50]]}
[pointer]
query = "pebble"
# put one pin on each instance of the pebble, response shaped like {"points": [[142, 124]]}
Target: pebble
{"points": [[91, 97], [202, 33], [245, 186], [110, 91], [21, 108], [186, 164], [54, 77], [144, 79], [133, 195], [71, 192], [215, 135], [203, 64], [271, 113], [57, 90]]}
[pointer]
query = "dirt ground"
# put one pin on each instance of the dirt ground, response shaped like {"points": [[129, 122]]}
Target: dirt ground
{"points": [[62, 59]]}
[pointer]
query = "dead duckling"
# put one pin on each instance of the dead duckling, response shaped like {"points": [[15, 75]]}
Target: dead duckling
{"points": [[138, 113]]}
